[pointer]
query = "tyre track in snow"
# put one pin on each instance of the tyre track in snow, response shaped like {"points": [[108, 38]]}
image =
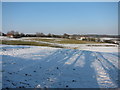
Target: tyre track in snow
{"points": [[68, 65], [101, 57], [56, 67], [103, 69], [83, 76]]}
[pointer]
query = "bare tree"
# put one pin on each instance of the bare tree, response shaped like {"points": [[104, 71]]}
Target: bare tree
{"points": [[40, 34], [14, 33]]}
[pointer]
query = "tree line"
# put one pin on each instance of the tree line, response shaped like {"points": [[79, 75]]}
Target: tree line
{"points": [[17, 34]]}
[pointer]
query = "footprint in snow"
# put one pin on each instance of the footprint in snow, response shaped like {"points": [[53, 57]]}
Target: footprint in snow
{"points": [[21, 87], [73, 80], [7, 88], [27, 75], [73, 69], [26, 80], [8, 80], [13, 84], [57, 68], [60, 84], [34, 71], [66, 85], [9, 73]]}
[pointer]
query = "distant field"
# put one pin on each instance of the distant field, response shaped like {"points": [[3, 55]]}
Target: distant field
{"points": [[31, 43], [47, 42], [40, 39], [71, 41], [63, 41]]}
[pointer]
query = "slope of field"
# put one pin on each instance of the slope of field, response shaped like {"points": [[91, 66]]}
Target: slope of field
{"points": [[39, 67]]}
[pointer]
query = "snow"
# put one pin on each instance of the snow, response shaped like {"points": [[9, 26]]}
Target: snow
{"points": [[39, 67], [102, 47], [7, 38]]}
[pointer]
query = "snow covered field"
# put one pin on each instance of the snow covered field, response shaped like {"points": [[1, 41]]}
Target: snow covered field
{"points": [[39, 67]]}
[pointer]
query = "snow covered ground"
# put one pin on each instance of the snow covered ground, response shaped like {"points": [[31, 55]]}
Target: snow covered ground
{"points": [[39, 67]]}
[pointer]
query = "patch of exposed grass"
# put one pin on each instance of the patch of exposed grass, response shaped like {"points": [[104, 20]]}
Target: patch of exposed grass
{"points": [[17, 42], [56, 46], [72, 41], [31, 43]]}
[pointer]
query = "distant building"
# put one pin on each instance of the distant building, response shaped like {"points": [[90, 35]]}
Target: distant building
{"points": [[10, 35], [81, 38], [13, 36], [110, 40]]}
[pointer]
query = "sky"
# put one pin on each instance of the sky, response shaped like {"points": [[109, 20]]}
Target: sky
{"points": [[60, 0], [60, 17], [0, 16]]}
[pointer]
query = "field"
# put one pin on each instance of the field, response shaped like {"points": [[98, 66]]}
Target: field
{"points": [[52, 42], [61, 40], [49, 40], [38, 67], [85, 66]]}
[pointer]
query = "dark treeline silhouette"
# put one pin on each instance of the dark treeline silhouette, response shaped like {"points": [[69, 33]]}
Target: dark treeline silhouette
{"points": [[17, 34]]}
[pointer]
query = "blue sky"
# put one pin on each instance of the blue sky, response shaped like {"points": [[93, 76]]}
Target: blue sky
{"points": [[0, 16], [61, 17]]}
